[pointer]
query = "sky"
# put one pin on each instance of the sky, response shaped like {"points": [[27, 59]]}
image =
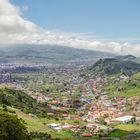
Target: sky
{"points": [[105, 18], [104, 25]]}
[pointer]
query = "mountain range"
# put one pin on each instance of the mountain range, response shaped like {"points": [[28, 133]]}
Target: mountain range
{"points": [[42, 54]]}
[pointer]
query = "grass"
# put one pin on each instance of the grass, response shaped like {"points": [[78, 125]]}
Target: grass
{"points": [[40, 125], [118, 133], [124, 129], [128, 89], [136, 76], [131, 92], [128, 127], [128, 93]]}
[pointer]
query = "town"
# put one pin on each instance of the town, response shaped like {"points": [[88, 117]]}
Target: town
{"points": [[80, 105]]}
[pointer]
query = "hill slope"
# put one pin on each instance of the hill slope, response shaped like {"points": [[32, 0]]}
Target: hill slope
{"points": [[111, 66], [126, 88], [15, 98]]}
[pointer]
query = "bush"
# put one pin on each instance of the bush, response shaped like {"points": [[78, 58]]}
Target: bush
{"points": [[12, 128], [40, 135]]}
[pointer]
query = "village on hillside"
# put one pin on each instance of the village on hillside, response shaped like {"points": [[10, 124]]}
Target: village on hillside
{"points": [[87, 102]]}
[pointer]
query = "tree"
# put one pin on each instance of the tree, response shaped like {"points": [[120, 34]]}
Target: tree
{"points": [[133, 120], [12, 128]]}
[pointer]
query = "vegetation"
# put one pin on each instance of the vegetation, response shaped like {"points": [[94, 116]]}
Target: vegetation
{"points": [[12, 128], [127, 88], [17, 99], [20, 100], [128, 127], [32, 117], [111, 66], [118, 133], [136, 76]]}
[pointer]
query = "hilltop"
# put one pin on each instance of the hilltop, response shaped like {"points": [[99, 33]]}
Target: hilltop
{"points": [[112, 66], [126, 57]]}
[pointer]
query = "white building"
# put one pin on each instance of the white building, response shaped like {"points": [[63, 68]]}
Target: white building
{"points": [[124, 119]]}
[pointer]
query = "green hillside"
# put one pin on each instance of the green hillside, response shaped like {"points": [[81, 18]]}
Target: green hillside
{"points": [[127, 88], [111, 66], [17, 102], [136, 76], [20, 100], [16, 98]]}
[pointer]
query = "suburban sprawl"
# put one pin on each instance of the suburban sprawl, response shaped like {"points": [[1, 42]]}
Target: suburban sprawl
{"points": [[74, 100]]}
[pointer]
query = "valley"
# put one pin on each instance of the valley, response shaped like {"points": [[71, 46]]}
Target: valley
{"points": [[69, 70], [97, 100]]}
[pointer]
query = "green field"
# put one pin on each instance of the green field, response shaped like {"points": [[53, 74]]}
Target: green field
{"points": [[123, 130], [128, 127]]}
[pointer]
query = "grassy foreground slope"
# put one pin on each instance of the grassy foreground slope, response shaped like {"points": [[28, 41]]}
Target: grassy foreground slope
{"points": [[26, 108]]}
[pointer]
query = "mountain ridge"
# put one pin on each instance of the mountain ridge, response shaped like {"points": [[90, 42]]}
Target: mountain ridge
{"points": [[48, 54], [112, 66]]}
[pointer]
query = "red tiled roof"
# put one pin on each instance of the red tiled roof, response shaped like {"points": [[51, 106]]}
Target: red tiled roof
{"points": [[87, 135]]}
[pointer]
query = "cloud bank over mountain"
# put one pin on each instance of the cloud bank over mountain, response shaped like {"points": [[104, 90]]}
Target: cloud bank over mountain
{"points": [[15, 29]]}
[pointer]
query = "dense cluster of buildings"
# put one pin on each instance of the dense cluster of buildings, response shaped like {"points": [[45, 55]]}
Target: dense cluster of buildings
{"points": [[93, 107], [83, 101]]}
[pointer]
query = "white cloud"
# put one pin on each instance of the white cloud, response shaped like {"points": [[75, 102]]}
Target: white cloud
{"points": [[14, 29], [11, 20], [6, 8]]}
